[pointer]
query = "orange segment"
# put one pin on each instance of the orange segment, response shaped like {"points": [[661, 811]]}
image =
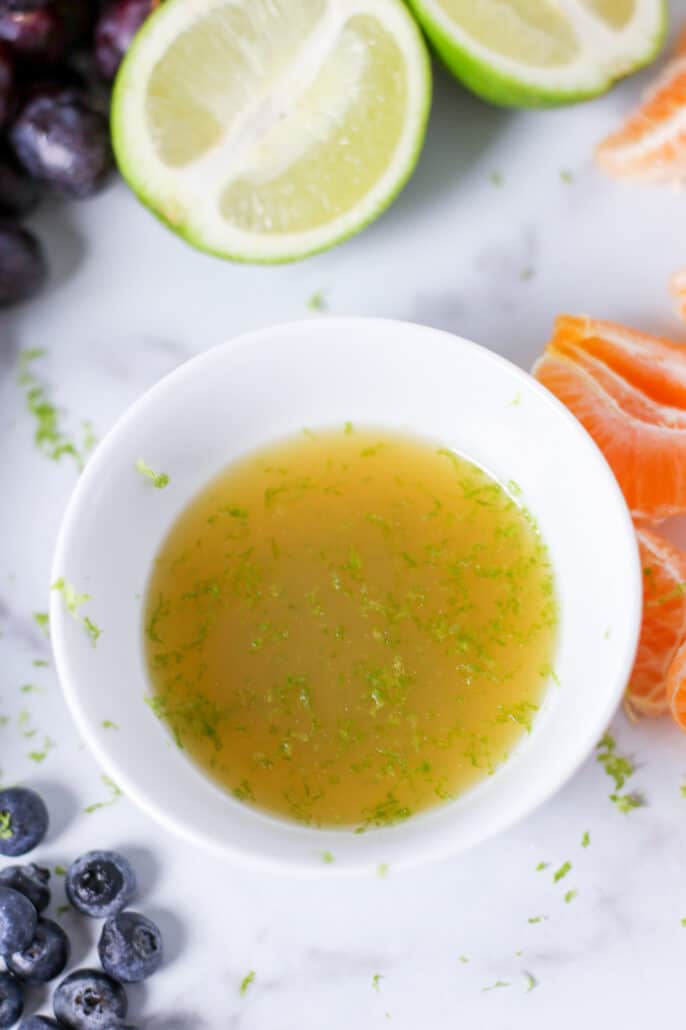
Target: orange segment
{"points": [[664, 622], [676, 687], [677, 287], [651, 145], [629, 391]]}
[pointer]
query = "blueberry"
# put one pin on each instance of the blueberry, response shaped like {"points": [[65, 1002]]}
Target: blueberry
{"points": [[18, 919], [100, 883], [59, 138], [44, 958], [130, 947], [11, 1001], [23, 815], [30, 880], [39, 1023], [90, 1000]]}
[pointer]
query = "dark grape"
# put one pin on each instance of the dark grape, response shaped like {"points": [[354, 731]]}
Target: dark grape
{"points": [[22, 265], [6, 82], [37, 36], [23, 5], [115, 29], [61, 140], [18, 194], [77, 17]]}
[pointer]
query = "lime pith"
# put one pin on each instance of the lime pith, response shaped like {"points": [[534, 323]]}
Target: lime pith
{"points": [[260, 131], [533, 53]]}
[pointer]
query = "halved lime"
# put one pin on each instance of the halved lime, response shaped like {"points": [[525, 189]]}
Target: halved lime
{"points": [[540, 53], [265, 130]]}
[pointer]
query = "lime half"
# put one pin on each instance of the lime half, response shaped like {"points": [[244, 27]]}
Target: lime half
{"points": [[539, 53], [265, 130]]}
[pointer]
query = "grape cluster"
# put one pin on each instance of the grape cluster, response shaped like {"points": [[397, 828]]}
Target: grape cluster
{"points": [[57, 58]]}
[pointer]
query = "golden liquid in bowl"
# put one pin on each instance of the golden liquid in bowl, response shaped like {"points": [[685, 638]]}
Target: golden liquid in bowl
{"points": [[350, 627]]}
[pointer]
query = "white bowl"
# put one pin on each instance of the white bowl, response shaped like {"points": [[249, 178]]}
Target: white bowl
{"points": [[323, 372]]}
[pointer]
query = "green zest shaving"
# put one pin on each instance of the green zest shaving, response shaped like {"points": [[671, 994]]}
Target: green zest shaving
{"points": [[497, 984], [328, 858], [115, 793], [49, 436], [382, 870], [376, 981], [109, 725], [42, 620], [317, 301], [570, 895], [40, 756], [60, 870], [463, 959], [541, 866], [536, 919], [158, 479], [619, 768], [246, 981], [586, 839], [566, 176], [73, 601], [6, 831], [562, 872], [531, 982]]}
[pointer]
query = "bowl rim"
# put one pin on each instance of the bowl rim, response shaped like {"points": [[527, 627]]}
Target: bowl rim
{"points": [[154, 395]]}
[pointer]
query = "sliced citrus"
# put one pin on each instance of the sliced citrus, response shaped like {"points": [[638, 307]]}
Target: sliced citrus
{"points": [[676, 687], [265, 130], [651, 145], [664, 622], [677, 286], [629, 391], [536, 53]]}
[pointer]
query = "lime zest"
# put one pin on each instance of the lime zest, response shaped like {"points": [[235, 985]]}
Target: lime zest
{"points": [[376, 981], [536, 919], [42, 620], [586, 839], [247, 980], [6, 831], [73, 601], [107, 724], [317, 301], [327, 858], [531, 981], [570, 895], [49, 437], [382, 870], [158, 479], [60, 870], [496, 985], [463, 959], [115, 794], [567, 176], [562, 872]]}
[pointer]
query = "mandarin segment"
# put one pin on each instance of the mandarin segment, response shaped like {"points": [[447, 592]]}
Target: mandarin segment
{"points": [[628, 390], [676, 687], [664, 621], [651, 144]]}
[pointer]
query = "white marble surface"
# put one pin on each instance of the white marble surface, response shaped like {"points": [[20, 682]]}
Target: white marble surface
{"points": [[126, 303]]}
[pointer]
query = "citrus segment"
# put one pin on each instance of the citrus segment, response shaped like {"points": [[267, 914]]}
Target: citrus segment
{"points": [[676, 687], [651, 145], [629, 391], [265, 130], [664, 621]]}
